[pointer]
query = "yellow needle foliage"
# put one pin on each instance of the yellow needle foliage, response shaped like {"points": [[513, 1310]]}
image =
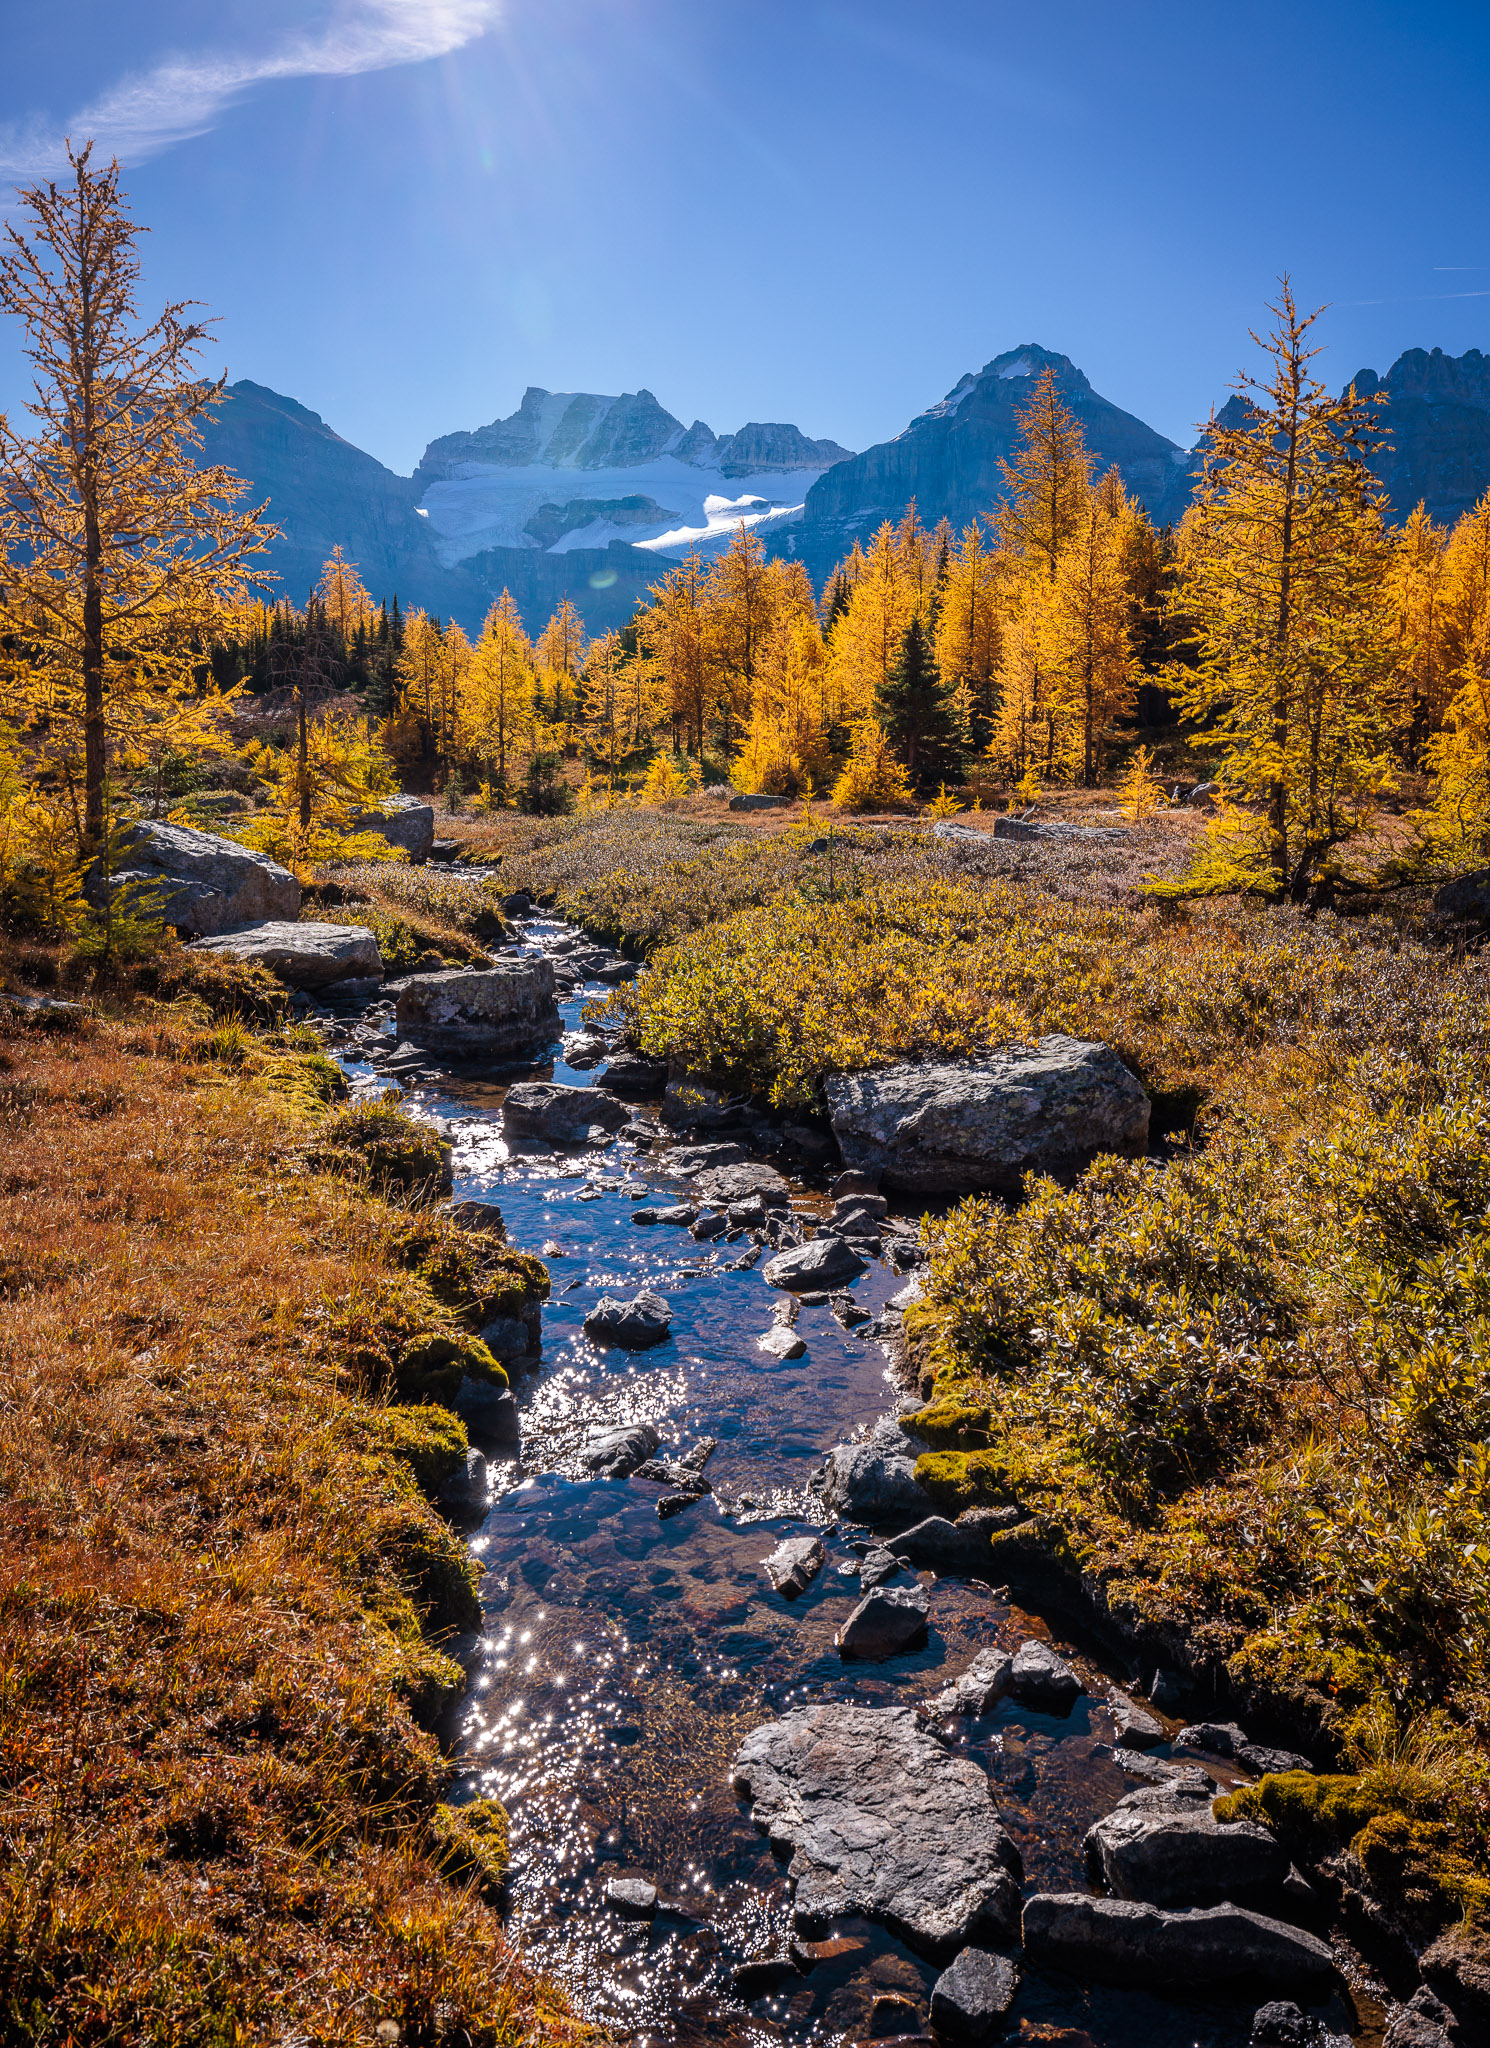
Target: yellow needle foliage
{"points": [[120, 549], [872, 779]]}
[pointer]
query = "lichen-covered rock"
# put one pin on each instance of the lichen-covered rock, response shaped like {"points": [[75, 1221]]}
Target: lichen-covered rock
{"points": [[503, 1009], [882, 1821], [1120, 1941], [986, 1123], [198, 883], [302, 955], [406, 821], [1164, 1844]]}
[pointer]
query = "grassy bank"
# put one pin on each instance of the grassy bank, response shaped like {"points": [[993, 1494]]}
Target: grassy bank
{"points": [[222, 1586]]}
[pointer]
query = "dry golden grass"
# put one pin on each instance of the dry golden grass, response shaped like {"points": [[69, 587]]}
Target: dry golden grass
{"points": [[217, 1807]]}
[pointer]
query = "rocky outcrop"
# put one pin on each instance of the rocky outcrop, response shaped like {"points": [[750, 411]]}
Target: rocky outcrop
{"points": [[499, 1011], [302, 955], [406, 821], [634, 1325], [882, 1821], [1164, 1844], [986, 1123], [886, 1621], [548, 1109], [1119, 1941], [194, 882]]}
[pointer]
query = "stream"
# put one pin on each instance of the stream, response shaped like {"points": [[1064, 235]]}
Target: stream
{"points": [[624, 1655]]}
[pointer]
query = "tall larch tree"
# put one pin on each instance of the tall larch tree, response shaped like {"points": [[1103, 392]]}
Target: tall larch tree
{"points": [[121, 549], [976, 602], [561, 657], [344, 598], [1093, 675], [892, 583], [1283, 573], [496, 694], [1046, 484], [675, 632], [787, 744]]}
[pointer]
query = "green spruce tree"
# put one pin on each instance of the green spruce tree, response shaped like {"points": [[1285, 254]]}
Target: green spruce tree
{"points": [[919, 712]]}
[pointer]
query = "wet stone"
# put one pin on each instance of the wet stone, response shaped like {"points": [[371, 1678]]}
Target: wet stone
{"points": [[971, 2000], [878, 1567], [793, 1565], [1042, 1679], [634, 1325], [781, 1342], [1136, 1729], [886, 1621], [632, 1897], [677, 1213], [617, 1452], [981, 1687], [882, 1821], [1163, 1844], [1121, 1941]]}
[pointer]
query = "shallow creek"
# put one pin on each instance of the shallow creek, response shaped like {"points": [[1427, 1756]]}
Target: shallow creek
{"points": [[625, 1656]]}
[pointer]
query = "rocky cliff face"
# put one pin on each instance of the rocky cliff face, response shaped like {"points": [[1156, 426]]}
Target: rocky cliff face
{"points": [[947, 460], [1437, 430]]}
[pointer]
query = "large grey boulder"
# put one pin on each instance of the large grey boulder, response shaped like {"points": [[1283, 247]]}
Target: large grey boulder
{"points": [[1163, 1843], [548, 1109], [406, 821], [199, 884], [503, 1009], [302, 955], [883, 1821], [886, 1621], [1122, 1942], [823, 1263], [986, 1123], [874, 1481], [971, 2000]]}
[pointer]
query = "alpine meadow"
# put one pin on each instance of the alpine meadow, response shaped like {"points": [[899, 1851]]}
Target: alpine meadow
{"points": [[745, 1211]]}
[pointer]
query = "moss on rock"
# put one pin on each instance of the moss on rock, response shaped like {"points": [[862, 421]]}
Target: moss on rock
{"points": [[963, 1479], [433, 1366], [471, 1843], [377, 1143], [949, 1425]]}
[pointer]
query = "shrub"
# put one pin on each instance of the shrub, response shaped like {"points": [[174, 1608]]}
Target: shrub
{"points": [[872, 778]]}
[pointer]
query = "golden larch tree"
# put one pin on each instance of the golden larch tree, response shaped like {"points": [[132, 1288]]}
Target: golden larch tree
{"points": [[1284, 564], [1046, 484], [976, 602], [495, 692], [1093, 675], [343, 597], [560, 656], [120, 548]]}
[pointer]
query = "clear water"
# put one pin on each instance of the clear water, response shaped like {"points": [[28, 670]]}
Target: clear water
{"points": [[625, 1656]]}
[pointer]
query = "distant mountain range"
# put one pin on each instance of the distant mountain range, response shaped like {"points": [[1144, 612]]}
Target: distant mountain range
{"points": [[594, 497]]}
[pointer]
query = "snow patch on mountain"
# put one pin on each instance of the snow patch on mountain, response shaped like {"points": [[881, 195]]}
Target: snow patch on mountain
{"points": [[529, 480]]}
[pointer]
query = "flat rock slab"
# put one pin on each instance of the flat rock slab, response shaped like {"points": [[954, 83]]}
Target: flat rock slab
{"points": [[825, 1262], [1163, 1844], [793, 1565], [1042, 1679], [986, 1123], [683, 1161], [886, 1621], [971, 2000], [549, 1109], [616, 1453], [1121, 1942], [882, 1821], [634, 1325], [503, 1009], [301, 955], [730, 1184], [199, 884]]}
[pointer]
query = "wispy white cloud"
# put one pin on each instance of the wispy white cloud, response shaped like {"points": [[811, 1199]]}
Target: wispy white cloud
{"points": [[184, 95]]}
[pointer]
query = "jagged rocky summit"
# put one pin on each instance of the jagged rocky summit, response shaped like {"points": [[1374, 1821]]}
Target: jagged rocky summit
{"points": [[593, 497]]}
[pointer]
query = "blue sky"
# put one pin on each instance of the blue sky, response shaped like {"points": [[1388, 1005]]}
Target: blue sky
{"points": [[405, 211]]}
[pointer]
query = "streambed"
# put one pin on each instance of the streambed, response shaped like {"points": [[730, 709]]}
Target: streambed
{"points": [[625, 1655]]}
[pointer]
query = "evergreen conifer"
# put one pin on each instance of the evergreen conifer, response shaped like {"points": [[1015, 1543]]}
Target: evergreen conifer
{"points": [[919, 711]]}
